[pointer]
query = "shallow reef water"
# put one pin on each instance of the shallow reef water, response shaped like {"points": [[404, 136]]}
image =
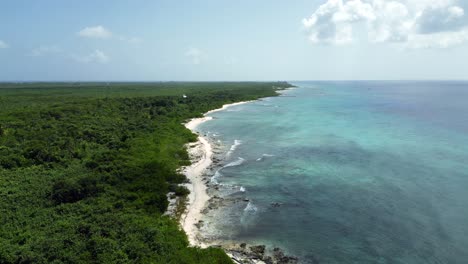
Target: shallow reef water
{"points": [[348, 172]]}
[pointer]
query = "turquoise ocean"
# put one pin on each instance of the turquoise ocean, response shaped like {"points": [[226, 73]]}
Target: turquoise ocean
{"points": [[346, 172]]}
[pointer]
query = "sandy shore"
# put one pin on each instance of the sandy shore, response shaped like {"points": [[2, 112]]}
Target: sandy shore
{"points": [[226, 106], [201, 153]]}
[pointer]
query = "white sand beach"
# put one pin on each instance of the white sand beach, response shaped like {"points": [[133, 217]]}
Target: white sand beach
{"points": [[201, 154], [198, 196], [226, 106]]}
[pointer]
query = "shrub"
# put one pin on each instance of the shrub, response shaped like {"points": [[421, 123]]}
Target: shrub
{"points": [[70, 191], [179, 190]]}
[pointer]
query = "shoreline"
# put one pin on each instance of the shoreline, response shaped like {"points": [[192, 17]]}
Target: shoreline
{"points": [[201, 153]]}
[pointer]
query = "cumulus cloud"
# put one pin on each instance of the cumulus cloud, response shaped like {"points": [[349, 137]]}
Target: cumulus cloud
{"points": [[434, 20], [98, 32], [194, 54], [417, 23], [45, 50], [392, 23], [3, 44], [96, 56], [332, 21]]}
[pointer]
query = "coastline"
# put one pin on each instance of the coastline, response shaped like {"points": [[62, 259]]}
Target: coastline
{"points": [[201, 153]]}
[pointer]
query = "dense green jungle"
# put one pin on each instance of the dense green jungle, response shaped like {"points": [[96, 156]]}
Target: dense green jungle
{"points": [[85, 169]]}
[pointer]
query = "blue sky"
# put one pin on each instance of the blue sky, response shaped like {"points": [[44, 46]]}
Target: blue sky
{"points": [[233, 40]]}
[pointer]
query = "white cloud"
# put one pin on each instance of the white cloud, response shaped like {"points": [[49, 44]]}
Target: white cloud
{"points": [[417, 23], [45, 50], [96, 56], [438, 40], [131, 40], [331, 22], [99, 32], [194, 54], [455, 12], [434, 20], [3, 44], [392, 23]]}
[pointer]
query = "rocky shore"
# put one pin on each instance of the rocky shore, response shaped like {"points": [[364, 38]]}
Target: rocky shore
{"points": [[206, 196], [256, 254]]}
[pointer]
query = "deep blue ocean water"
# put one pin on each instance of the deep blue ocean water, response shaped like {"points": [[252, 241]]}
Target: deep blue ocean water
{"points": [[348, 172]]}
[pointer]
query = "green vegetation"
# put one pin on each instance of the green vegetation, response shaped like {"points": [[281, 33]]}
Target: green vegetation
{"points": [[85, 169]]}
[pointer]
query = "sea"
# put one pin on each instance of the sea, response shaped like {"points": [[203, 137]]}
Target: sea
{"points": [[346, 172]]}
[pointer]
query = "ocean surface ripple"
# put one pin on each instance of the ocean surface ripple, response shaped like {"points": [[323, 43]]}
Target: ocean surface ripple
{"points": [[349, 172]]}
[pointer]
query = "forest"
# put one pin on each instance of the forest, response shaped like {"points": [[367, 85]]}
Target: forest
{"points": [[85, 168]]}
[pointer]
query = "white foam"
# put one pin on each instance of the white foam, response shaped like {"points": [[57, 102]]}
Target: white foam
{"points": [[250, 208], [233, 109], [265, 155], [215, 177], [242, 189], [234, 146], [226, 106], [237, 162]]}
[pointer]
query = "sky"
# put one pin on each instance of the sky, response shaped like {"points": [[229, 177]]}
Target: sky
{"points": [[212, 40]]}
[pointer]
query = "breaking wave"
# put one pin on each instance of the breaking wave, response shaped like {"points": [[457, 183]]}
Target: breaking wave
{"points": [[250, 208], [264, 156], [237, 162], [234, 146], [217, 174], [215, 177]]}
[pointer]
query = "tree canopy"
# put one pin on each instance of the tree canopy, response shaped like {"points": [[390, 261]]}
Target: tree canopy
{"points": [[85, 169]]}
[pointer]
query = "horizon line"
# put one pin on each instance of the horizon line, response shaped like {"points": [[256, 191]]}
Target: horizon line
{"points": [[214, 81]]}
